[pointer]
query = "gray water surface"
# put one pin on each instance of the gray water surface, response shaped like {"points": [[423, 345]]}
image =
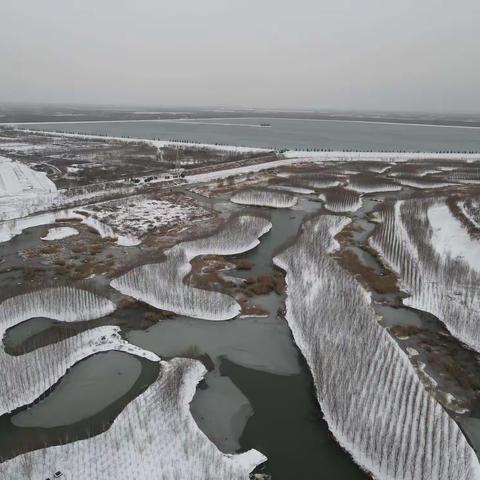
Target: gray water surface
{"points": [[288, 133]]}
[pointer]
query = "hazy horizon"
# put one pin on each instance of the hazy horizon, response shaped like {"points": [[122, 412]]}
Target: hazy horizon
{"points": [[325, 55]]}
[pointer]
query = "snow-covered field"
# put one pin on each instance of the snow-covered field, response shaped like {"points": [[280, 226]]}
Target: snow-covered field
{"points": [[161, 285], [436, 261], [20, 185], [450, 239], [17, 179], [371, 397], [131, 218]]}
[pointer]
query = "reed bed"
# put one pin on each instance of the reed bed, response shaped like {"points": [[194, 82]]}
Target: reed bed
{"points": [[372, 184], [264, 198], [341, 200], [67, 304], [443, 285], [162, 286], [371, 397]]}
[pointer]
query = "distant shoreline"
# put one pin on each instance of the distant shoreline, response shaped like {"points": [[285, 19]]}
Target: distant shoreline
{"points": [[204, 121]]}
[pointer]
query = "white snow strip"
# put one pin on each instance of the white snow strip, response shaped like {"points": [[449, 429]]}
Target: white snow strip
{"points": [[420, 183], [289, 188], [380, 156]]}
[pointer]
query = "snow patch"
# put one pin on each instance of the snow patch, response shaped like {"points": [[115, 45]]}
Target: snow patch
{"points": [[450, 238], [59, 233]]}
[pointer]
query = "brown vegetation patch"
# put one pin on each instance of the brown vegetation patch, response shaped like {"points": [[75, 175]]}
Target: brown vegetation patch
{"points": [[243, 264], [382, 283], [207, 274], [264, 284]]}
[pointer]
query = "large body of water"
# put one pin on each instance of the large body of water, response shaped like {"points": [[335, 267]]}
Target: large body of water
{"points": [[289, 133]]}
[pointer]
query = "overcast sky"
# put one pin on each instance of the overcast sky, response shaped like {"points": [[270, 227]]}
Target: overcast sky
{"points": [[326, 54]]}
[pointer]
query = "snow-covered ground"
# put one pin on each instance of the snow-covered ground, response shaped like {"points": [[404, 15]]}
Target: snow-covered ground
{"points": [[19, 185], [12, 228], [23, 147], [126, 220], [161, 285], [371, 397], [450, 238], [17, 179], [131, 218]]}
